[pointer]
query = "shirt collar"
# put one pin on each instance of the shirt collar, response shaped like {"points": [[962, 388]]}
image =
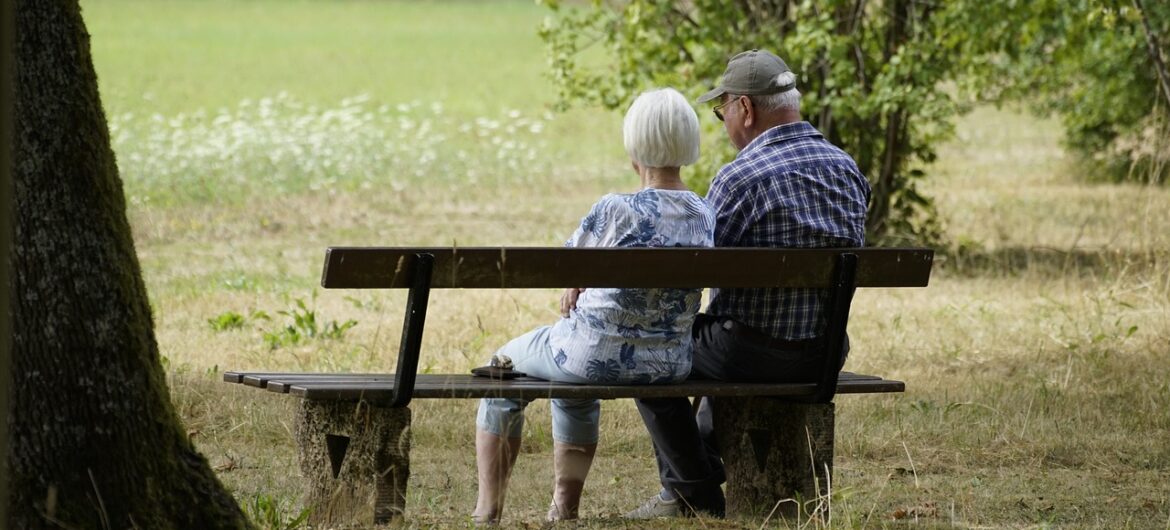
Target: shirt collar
{"points": [[784, 133]]}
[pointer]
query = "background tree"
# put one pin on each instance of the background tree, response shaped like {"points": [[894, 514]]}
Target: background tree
{"points": [[869, 72], [1099, 65], [95, 442], [884, 79]]}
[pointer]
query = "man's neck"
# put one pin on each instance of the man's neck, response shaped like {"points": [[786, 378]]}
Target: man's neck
{"points": [[780, 117], [775, 119]]}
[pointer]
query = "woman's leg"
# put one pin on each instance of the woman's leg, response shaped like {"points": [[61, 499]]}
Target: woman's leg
{"points": [[499, 424], [494, 456], [575, 432]]}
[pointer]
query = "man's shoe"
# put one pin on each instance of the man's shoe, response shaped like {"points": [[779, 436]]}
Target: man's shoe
{"points": [[657, 507]]}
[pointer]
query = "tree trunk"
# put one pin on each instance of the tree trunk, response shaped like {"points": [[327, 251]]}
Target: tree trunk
{"points": [[897, 33], [1155, 51], [95, 442], [6, 119]]}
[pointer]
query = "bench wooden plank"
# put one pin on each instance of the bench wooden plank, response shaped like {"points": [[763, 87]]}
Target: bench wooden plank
{"points": [[379, 392], [535, 267], [281, 382], [378, 387], [262, 380]]}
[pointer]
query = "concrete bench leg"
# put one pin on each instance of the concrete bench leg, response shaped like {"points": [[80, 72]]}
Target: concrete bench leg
{"points": [[356, 458], [774, 450]]}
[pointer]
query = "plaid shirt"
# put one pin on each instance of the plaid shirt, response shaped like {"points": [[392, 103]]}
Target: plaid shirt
{"points": [[788, 188]]}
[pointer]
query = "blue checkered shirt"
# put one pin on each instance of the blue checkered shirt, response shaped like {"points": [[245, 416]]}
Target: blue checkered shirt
{"points": [[789, 188]]}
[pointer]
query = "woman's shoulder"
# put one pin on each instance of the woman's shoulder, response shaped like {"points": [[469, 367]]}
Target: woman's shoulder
{"points": [[612, 204], [653, 202], [687, 201]]}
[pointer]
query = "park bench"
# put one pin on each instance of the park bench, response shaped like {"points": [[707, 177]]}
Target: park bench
{"points": [[353, 430]]}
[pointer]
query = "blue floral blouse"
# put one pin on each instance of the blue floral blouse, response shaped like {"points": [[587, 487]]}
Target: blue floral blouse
{"points": [[635, 336]]}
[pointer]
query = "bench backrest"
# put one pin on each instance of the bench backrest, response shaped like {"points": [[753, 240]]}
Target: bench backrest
{"points": [[840, 270], [535, 267]]}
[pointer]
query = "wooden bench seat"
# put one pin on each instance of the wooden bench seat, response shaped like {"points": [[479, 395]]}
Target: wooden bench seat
{"points": [[378, 389], [353, 430]]}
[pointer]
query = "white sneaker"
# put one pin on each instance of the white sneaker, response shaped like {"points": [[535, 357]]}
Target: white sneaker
{"points": [[657, 507]]}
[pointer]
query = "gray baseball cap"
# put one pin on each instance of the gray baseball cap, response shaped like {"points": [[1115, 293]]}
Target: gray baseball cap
{"points": [[751, 73]]}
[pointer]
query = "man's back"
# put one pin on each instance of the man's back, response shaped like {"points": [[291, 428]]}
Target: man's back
{"points": [[788, 188]]}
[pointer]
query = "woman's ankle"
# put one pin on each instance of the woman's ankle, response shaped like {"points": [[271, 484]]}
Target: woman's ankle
{"points": [[559, 512]]}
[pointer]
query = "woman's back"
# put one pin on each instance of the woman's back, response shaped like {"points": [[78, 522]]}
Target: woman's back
{"points": [[635, 335]]}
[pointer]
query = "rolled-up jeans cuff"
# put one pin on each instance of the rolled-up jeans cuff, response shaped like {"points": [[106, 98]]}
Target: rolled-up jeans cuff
{"points": [[501, 416], [576, 421]]}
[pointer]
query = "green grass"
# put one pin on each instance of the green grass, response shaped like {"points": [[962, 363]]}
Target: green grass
{"points": [[224, 101], [1037, 362], [174, 56]]}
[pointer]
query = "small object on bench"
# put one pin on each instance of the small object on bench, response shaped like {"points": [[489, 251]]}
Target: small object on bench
{"points": [[776, 438], [500, 367], [495, 372]]}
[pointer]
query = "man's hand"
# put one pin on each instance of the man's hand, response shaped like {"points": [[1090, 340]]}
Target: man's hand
{"points": [[569, 300]]}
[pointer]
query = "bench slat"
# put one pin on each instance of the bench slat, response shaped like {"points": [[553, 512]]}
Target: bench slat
{"points": [[258, 378], [537, 267], [378, 387], [262, 380]]}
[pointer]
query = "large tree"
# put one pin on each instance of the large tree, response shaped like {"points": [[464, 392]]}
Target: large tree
{"points": [[94, 440]]}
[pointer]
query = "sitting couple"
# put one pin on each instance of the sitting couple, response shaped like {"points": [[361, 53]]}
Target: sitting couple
{"points": [[787, 187]]}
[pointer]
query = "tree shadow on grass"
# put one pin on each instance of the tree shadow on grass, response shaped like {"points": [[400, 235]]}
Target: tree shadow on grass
{"points": [[1049, 261]]}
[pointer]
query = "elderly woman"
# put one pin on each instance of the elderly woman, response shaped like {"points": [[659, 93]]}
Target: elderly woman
{"points": [[611, 336]]}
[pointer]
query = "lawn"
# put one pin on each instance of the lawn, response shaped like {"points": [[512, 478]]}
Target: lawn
{"points": [[253, 134]]}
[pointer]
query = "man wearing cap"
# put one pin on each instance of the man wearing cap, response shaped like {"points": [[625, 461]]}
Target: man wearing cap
{"points": [[787, 187]]}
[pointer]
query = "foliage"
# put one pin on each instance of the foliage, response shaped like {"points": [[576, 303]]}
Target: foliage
{"points": [[1091, 62], [270, 514], [869, 71], [884, 79], [226, 320], [304, 326]]}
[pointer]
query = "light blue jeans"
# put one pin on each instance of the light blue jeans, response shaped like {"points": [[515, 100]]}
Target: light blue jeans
{"points": [[574, 421]]}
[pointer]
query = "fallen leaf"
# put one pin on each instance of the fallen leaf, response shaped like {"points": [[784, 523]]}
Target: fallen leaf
{"points": [[231, 465]]}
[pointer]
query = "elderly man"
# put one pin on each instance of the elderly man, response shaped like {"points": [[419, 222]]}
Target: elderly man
{"points": [[787, 187]]}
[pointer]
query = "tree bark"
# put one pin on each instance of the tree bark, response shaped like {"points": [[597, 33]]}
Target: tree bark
{"points": [[95, 442], [6, 96]]}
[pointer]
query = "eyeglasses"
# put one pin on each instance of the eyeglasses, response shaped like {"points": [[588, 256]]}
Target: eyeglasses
{"points": [[717, 109]]}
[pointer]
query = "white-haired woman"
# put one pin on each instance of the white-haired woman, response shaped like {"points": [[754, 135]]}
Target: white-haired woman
{"points": [[612, 336]]}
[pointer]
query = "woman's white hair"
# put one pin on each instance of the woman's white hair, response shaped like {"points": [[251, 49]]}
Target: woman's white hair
{"points": [[661, 130], [789, 99]]}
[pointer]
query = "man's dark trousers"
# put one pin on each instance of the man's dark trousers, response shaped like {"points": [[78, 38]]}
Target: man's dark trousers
{"points": [[689, 464]]}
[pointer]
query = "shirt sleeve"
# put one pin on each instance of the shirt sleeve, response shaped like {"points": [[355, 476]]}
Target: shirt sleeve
{"points": [[591, 231], [734, 205]]}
